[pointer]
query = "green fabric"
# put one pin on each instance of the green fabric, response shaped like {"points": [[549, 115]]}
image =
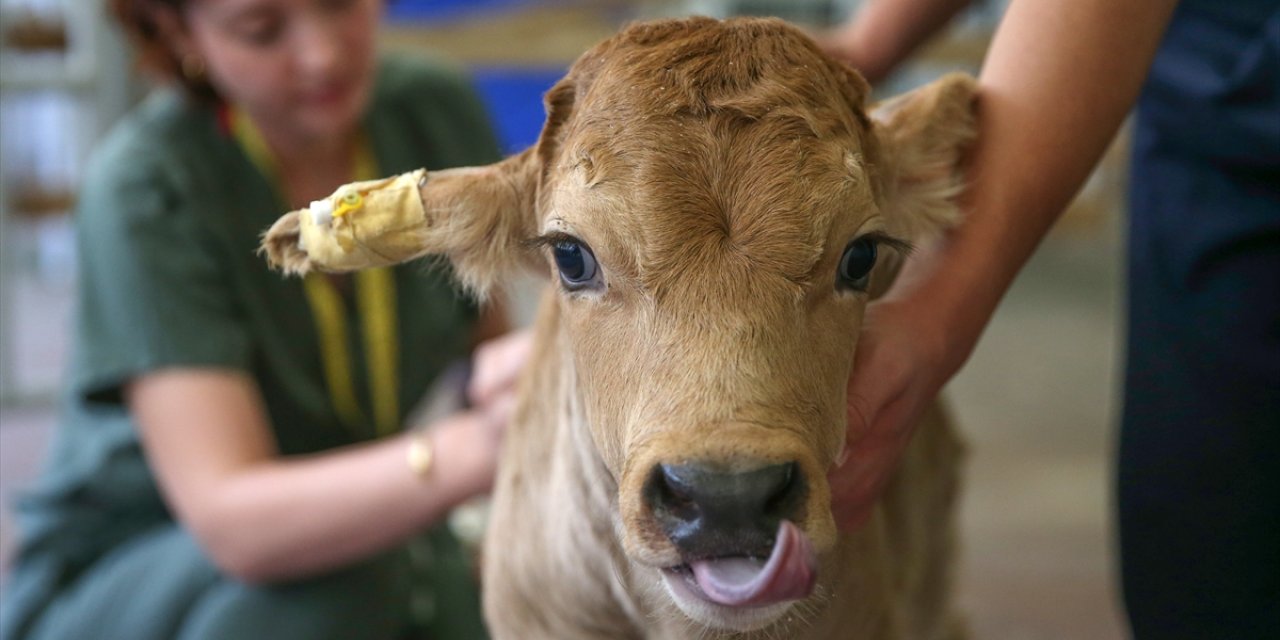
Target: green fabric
{"points": [[160, 585], [168, 223]]}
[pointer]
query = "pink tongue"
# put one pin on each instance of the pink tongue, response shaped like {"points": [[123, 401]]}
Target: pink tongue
{"points": [[788, 574]]}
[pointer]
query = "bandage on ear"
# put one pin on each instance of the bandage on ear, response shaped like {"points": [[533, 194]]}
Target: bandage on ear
{"points": [[365, 224]]}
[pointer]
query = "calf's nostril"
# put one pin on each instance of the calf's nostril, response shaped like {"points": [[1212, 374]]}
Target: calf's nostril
{"points": [[707, 512], [788, 495], [672, 493]]}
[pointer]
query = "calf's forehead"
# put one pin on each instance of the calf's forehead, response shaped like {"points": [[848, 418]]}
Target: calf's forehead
{"points": [[684, 192], [752, 67], [690, 136]]}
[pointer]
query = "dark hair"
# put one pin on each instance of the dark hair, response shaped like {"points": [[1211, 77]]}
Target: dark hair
{"points": [[155, 55]]}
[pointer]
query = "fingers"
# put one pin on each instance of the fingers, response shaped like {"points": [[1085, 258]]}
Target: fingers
{"points": [[498, 364], [857, 485], [476, 435], [877, 438], [468, 443], [855, 490], [852, 519]]}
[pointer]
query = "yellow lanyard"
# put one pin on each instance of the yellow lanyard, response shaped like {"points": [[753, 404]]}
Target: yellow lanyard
{"points": [[375, 299]]}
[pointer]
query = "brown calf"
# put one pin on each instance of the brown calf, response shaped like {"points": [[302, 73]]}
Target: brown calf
{"points": [[717, 206]]}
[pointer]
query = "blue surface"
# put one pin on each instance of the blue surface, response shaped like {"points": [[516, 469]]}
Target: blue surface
{"points": [[514, 99], [444, 10], [513, 95]]}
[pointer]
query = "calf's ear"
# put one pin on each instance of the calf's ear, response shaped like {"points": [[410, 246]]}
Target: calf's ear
{"points": [[476, 217], [923, 136], [481, 219]]}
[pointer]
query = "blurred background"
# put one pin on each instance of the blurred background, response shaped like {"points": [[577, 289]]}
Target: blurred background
{"points": [[1036, 402]]}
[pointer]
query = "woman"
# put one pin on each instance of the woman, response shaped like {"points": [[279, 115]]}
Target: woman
{"points": [[231, 463]]}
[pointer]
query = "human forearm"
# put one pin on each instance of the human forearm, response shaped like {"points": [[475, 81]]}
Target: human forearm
{"points": [[292, 517], [264, 517], [885, 32], [1056, 85], [1058, 80]]}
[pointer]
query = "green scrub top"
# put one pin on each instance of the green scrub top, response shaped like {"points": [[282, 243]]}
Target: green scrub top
{"points": [[169, 221]]}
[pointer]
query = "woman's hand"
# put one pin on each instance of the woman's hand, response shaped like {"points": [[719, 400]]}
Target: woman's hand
{"points": [[898, 370], [914, 338], [465, 448], [471, 440], [498, 364], [886, 32]]}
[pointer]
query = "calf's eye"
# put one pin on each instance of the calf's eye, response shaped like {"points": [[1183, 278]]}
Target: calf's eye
{"points": [[577, 265], [859, 258]]}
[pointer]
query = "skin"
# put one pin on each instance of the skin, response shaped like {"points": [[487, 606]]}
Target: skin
{"points": [[302, 70], [885, 32], [924, 329]]}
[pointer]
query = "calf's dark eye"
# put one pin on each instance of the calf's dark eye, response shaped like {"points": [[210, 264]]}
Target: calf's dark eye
{"points": [[576, 264], [856, 264]]}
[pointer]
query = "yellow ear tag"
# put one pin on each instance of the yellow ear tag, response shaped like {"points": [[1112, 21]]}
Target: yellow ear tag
{"points": [[348, 203]]}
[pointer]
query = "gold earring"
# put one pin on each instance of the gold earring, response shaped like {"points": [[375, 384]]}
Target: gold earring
{"points": [[193, 66]]}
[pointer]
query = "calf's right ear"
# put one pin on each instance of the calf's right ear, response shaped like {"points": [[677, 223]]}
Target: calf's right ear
{"points": [[479, 218]]}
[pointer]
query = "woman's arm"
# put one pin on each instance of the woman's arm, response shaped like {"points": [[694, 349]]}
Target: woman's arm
{"points": [[885, 32], [1057, 82], [264, 518]]}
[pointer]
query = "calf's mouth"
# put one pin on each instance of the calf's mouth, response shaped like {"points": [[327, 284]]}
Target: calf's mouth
{"points": [[735, 532], [788, 572]]}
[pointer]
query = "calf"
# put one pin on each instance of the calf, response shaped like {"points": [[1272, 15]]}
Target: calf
{"points": [[716, 206]]}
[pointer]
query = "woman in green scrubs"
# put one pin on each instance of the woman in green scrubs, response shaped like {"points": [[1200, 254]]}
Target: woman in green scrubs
{"points": [[233, 460]]}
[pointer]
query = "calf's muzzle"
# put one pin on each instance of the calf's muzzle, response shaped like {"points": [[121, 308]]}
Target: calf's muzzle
{"points": [[709, 513]]}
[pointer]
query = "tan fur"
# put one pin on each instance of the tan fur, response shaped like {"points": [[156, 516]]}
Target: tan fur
{"points": [[717, 170]]}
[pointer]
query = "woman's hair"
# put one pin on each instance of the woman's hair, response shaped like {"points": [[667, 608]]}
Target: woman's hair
{"points": [[155, 55]]}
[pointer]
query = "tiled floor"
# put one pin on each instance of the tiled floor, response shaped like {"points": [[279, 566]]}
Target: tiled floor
{"points": [[1035, 402]]}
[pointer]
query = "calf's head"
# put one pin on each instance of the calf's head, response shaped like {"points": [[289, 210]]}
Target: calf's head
{"points": [[716, 205]]}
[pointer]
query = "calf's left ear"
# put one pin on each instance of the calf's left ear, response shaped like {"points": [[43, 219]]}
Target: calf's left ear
{"points": [[923, 136], [476, 217]]}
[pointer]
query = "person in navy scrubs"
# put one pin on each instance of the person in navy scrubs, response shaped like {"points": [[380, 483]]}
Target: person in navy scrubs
{"points": [[1199, 457]]}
